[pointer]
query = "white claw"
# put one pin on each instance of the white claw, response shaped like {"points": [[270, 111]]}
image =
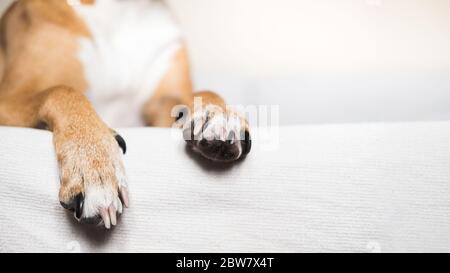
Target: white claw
{"points": [[198, 128], [124, 196], [105, 216], [120, 207], [112, 215]]}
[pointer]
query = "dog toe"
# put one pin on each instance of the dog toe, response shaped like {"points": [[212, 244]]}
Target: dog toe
{"points": [[75, 204], [217, 135], [121, 141]]}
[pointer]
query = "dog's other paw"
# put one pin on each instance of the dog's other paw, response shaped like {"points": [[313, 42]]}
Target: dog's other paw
{"points": [[93, 180], [218, 135]]}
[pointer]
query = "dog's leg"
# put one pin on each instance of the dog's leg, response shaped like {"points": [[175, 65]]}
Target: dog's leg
{"points": [[40, 45], [174, 89], [93, 182], [211, 129]]}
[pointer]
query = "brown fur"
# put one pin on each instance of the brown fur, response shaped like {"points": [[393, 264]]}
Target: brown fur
{"points": [[174, 89], [43, 85]]}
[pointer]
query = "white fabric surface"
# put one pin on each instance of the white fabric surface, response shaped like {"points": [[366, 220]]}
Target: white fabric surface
{"points": [[359, 188]]}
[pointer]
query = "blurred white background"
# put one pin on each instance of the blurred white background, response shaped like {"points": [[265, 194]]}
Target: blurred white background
{"points": [[323, 60]]}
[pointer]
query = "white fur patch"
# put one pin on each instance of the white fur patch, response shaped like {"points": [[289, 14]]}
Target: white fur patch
{"points": [[99, 190], [131, 48], [98, 197], [224, 126]]}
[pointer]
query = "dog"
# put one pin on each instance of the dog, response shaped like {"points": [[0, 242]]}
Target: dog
{"points": [[79, 68]]}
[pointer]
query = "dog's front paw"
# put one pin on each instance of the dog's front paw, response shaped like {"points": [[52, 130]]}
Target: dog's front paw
{"points": [[93, 180], [218, 135]]}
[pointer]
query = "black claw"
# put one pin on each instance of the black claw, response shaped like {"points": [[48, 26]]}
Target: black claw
{"points": [[188, 134], [66, 206], [75, 205], [180, 116], [79, 205], [247, 144], [121, 142], [183, 112]]}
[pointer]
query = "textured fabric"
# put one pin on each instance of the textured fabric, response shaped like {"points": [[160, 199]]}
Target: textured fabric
{"points": [[359, 188]]}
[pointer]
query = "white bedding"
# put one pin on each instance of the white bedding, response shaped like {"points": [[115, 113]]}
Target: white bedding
{"points": [[358, 188]]}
